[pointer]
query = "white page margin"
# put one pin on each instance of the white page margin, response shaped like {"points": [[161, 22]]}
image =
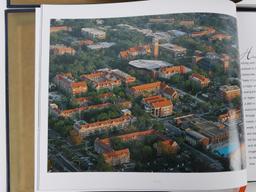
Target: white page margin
{"points": [[122, 181]]}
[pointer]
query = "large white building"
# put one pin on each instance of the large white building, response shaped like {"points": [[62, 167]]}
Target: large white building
{"points": [[94, 33]]}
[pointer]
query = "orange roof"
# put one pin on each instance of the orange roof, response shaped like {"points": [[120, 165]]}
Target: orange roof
{"points": [[199, 77], [101, 96], [115, 154], [222, 36], [169, 90], [79, 109], [129, 136], [158, 101], [59, 28], [108, 82], [152, 98], [86, 42], [133, 49], [78, 84], [106, 123], [63, 76], [146, 87], [64, 49], [93, 75], [81, 99], [206, 31], [124, 54], [167, 142], [162, 103], [105, 141], [173, 69]]}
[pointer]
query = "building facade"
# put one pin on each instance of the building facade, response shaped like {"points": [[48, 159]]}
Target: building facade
{"points": [[94, 33], [196, 139], [167, 72], [146, 89], [230, 92], [62, 50], [199, 80], [119, 157], [66, 82], [87, 129], [158, 106]]}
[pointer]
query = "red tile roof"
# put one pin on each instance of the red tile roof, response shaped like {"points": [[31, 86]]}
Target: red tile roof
{"points": [[146, 87], [158, 101]]}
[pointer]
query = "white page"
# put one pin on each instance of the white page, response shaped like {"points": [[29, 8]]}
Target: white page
{"points": [[3, 157], [88, 181], [37, 75], [251, 187], [247, 42]]}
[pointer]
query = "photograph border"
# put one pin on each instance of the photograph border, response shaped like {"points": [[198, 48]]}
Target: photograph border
{"points": [[161, 181]]}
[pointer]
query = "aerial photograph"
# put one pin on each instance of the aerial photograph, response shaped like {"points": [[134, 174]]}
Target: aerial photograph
{"points": [[145, 94]]}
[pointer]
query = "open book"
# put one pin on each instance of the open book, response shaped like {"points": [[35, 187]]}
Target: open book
{"points": [[143, 96]]}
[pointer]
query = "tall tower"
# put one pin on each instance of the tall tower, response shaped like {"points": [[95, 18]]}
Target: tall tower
{"points": [[156, 48], [226, 61]]}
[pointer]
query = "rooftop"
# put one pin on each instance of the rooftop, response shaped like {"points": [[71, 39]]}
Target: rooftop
{"points": [[93, 30], [108, 122], [229, 88], [101, 45], [173, 47], [175, 69], [199, 77], [149, 64], [147, 86], [195, 134], [157, 101]]}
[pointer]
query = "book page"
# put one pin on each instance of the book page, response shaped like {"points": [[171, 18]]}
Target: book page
{"points": [[3, 156], [139, 98], [247, 44]]}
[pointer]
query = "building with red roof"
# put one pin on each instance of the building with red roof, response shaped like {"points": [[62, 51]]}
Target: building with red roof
{"points": [[119, 157], [167, 72], [85, 42], [146, 89], [158, 106], [135, 51], [66, 82], [200, 80], [168, 91], [230, 92], [108, 78], [62, 50], [203, 32], [87, 129], [231, 114], [166, 147], [72, 112], [54, 29], [221, 37]]}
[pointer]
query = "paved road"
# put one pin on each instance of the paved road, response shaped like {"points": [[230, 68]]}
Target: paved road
{"points": [[66, 164]]}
